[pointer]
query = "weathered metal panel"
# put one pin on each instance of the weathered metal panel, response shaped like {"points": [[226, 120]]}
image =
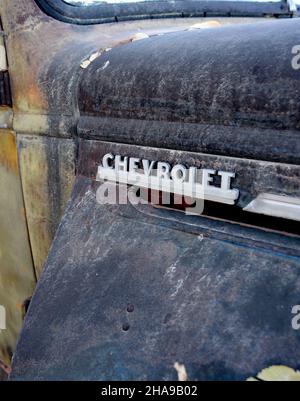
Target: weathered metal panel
{"points": [[127, 292], [243, 142], [231, 91], [45, 57], [240, 75], [17, 278], [105, 258], [48, 171], [44, 61]]}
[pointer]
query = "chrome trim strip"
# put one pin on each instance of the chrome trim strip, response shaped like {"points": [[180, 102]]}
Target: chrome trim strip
{"points": [[285, 207]]}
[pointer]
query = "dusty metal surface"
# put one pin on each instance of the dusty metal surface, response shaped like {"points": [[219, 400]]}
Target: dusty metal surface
{"points": [[139, 291], [280, 146], [45, 56], [17, 278], [230, 91], [102, 258]]}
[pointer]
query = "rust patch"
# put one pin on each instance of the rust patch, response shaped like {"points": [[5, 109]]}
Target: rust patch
{"points": [[8, 151]]}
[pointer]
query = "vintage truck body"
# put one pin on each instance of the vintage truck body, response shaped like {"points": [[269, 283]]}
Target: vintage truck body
{"points": [[128, 290]]}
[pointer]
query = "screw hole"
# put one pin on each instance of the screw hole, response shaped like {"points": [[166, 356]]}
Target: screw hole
{"points": [[130, 308], [125, 327]]}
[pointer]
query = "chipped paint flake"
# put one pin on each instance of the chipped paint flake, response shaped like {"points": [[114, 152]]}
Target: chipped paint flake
{"points": [[106, 64], [205, 25], [85, 64], [92, 58], [139, 36], [181, 371]]}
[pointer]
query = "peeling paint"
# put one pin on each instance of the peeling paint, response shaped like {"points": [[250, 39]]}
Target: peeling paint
{"points": [[106, 64], [92, 58], [181, 371], [139, 36], [206, 25]]}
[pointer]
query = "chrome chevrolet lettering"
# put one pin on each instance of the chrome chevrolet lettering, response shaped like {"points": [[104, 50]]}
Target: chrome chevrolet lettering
{"points": [[161, 176]]}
